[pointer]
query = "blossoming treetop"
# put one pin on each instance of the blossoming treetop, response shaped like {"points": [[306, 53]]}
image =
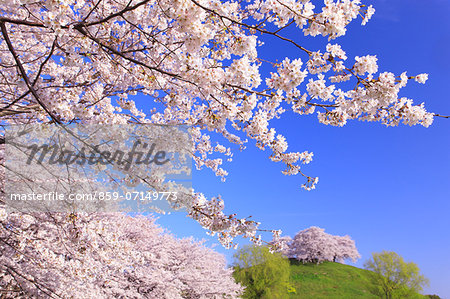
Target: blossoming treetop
{"points": [[80, 61]]}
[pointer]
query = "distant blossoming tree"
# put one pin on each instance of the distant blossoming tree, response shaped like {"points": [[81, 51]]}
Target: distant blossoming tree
{"points": [[314, 245]]}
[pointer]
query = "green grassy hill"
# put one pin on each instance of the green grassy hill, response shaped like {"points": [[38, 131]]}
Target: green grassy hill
{"points": [[331, 280]]}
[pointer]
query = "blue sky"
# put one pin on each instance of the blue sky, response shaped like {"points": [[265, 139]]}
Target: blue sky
{"points": [[388, 188]]}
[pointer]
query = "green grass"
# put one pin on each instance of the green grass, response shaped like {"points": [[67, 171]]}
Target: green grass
{"points": [[331, 280]]}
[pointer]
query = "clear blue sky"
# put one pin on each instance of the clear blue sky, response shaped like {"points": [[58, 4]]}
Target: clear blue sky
{"points": [[388, 188]]}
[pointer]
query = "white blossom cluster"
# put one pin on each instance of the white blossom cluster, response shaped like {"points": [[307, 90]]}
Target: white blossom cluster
{"points": [[105, 256], [197, 63], [288, 76]]}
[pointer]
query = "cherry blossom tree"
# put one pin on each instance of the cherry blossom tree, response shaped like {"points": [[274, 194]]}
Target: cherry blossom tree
{"points": [[314, 245], [346, 249], [55, 255], [197, 62]]}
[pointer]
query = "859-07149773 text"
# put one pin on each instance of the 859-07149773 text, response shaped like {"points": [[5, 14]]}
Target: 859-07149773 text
{"points": [[102, 196]]}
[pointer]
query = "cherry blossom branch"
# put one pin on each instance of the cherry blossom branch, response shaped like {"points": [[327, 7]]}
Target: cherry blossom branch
{"points": [[79, 28], [21, 22], [49, 292], [251, 27], [112, 16], [24, 74]]}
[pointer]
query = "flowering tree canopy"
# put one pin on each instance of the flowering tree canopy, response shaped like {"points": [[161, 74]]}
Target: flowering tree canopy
{"points": [[55, 255], [197, 62], [314, 245]]}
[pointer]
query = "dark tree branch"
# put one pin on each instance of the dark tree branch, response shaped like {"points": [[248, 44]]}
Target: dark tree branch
{"points": [[119, 13], [81, 29], [20, 22], [24, 74], [252, 27]]}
